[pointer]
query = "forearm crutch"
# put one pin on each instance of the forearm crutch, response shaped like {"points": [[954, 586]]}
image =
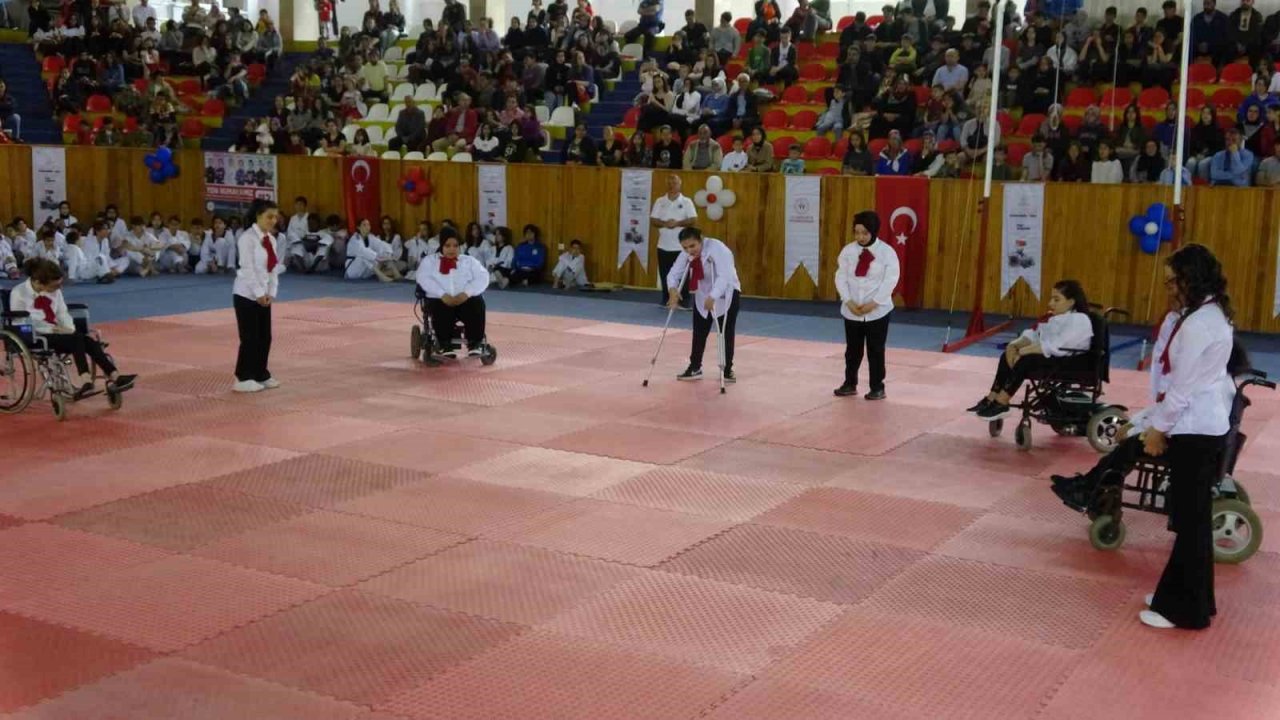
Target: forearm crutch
{"points": [[663, 338], [719, 344]]}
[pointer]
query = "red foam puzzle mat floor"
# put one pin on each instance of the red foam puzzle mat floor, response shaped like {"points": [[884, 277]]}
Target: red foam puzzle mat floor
{"points": [[547, 539]]}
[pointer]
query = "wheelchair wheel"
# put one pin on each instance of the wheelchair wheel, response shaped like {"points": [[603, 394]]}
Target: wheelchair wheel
{"points": [[1066, 430], [1106, 533], [18, 379], [115, 400], [995, 427], [489, 355], [1022, 435], [1103, 428], [59, 408], [1237, 531], [415, 342]]}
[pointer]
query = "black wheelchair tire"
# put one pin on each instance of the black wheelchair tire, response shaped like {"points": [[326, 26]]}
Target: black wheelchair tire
{"points": [[1022, 435], [1107, 533], [995, 427]]}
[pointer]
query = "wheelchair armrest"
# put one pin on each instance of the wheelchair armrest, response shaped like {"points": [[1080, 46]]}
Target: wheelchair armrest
{"points": [[14, 314], [1120, 312], [77, 306]]}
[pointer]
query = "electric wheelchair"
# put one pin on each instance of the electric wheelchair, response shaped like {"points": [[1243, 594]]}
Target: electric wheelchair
{"points": [[1237, 529], [30, 371], [1068, 397], [423, 342]]}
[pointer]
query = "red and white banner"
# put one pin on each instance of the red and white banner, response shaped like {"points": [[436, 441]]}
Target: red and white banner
{"points": [[903, 206], [361, 191]]}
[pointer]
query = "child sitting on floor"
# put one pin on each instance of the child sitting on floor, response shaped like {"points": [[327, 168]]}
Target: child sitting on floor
{"points": [[218, 252], [504, 256], [571, 268], [175, 243], [420, 247]]}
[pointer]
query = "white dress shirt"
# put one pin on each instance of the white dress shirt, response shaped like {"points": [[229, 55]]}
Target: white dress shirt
{"points": [[468, 277], [253, 280], [719, 276], [665, 208], [298, 226], [1197, 391], [419, 248], [22, 299], [876, 286], [1062, 335], [504, 258]]}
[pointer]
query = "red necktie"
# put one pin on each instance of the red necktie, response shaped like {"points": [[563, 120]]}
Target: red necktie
{"points": [[44, 303], [1166, 364], [864, 262], [695, 274], [270, 247], [447, 265]]}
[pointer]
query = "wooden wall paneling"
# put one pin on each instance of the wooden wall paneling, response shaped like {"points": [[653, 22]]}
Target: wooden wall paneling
{"points": [[587, 204], [319, 179], [15, 182], [953, 243], [1239, 226]]}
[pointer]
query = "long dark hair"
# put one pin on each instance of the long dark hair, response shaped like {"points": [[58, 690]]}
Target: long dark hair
{"points": [[1073, 291], [1199, 277]]}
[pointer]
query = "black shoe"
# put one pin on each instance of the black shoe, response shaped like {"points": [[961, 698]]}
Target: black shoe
{"points": [[875, 395], [729, 377], [122, 383], [106, 280], [84, 390], [846, 390], [993, 411], [1071, 498], [1065, 480], [982, 405], [450, 353], [692, 373], [474, 351]]}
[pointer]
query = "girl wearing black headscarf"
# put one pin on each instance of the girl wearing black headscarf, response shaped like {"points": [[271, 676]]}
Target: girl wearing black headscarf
{"points": [[866, 276]]}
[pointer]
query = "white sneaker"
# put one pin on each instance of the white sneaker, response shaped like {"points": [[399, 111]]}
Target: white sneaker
{"points": [[1155, 620], [1149, 598], [270, 384], [247, 386]]}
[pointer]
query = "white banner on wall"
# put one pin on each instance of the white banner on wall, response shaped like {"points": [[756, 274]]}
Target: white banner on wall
{"points": [[633, 216], [492, 181], [802, 229], [1275, 299], [48, 182], [1021, 240]]}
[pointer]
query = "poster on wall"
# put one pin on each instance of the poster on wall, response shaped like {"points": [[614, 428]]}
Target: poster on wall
{"points": [[48, 182], [1022, 236], [232, 181], [492, 182], [802, 231], [633, 216]]}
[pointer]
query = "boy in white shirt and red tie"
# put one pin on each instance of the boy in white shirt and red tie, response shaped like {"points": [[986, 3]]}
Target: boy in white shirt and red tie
{"points": [[716, 290]]}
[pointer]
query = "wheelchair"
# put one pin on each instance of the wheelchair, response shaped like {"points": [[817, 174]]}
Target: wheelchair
{"points": [[30, 370], [1069, 398], [423, 343], [1237, 529]]}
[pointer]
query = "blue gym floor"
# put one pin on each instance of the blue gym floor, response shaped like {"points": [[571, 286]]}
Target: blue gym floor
{"points": [[131, 298]]}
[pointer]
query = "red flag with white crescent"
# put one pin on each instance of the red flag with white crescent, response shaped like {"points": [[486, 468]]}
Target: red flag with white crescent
{"points": [[361, 191], [903, 206]]}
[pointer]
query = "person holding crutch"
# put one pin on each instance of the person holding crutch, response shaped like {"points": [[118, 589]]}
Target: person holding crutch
{"points": [[713, 282], [866, 275]]}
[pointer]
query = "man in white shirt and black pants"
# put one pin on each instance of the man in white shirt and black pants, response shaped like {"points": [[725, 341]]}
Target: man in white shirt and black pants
{"points": [[256, 286], [866, 274], [713, 280], [671, 213]]}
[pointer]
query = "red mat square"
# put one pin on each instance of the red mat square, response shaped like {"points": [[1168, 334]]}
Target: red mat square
{"points": [[992, 455], [181, 518], [554, 374], [730, 416], [354, 646], [36, 558], [590, 403], [568, 473], [783, 463], [453, 505], [169, 604], [307, 432], [477, 390], [622, 533], [330, 548], [172, 688], [423, 451], [316, 480], [701, 493], [865, 516], [769, 699], [392, 409], [698, 621], [637, 442], [822, 567], [503, 423], [924, 669], [194, 381], [39, 660], [195, 414], [502, 581], [550, 677], [934, 480]]}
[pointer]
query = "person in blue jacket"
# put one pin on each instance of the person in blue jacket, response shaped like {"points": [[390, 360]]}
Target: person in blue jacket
{"points": [[1233, 165], [531, 258]]}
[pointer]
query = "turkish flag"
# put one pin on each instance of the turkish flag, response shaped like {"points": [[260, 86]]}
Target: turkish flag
{"points": [[903, 206], [361, 192]]}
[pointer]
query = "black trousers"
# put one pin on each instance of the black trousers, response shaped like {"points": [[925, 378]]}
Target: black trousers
{"points": [[1184, 595], [443, 318], [253, 321], [534, 276], [666, 260], [870, 337], [81, 347], [1120, 461], [702, 328], [1010, 377]]}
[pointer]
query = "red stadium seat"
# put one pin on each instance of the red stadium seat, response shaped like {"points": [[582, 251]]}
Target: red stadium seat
{"points": [[1228, 98], [741, 25], [1148, 122], [213, 107], [782, 145], [1006, 122], [806, 52], [874, 21], [875, 146], [53, 65], [1154, 98], [140, 85], [914, 146], [733, 70], [257, 72], [1195, 98], [630, 118], [98, 104], [1073, 123], [803, 120], [1226, 120], [1029, 124], [841, 147], [192, 129], [844, 22], [795, 95], [130, 124], [1082, 97], [1202, 73], [1015, 151], [1118, 97], [947, 146], [70, 123], [922, 94], [1236, 73], [726, 142], [813, 72], [774, 119], [828, 171], [830, 51], [817, 148], [188, 87]]}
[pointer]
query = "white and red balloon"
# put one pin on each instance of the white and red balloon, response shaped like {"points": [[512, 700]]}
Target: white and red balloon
{"points": [[715, 198]]}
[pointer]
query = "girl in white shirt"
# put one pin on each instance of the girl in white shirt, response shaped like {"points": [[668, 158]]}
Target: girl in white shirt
{"points": [[1068, 332], [477, 245], [218, 251], [716, 290], [395, 242], [256, 286], [867, 273], [97, 248], [1106, 169], [8, 261], [420, 247], [41, 298], [504, 257], [368, 256], [176, 242], [454, 284]]}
